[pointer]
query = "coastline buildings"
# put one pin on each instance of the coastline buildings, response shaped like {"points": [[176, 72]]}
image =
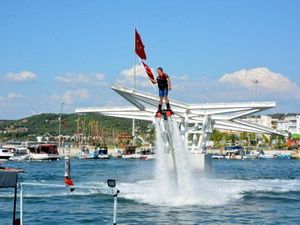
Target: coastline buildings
{"points": [[262, 120], [289, 123]]}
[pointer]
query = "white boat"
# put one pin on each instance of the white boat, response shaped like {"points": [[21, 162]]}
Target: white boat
{"points": [[131, 153], [148, 157], [116, 153], [252, 155], [264, 155], [131, 156], [233, 152], [85, 153], [217, 157], [20, 154], [44, 152], [147, 153], [103, 156], [99, 153], [233, 156], [6, 153], [102, 152]]}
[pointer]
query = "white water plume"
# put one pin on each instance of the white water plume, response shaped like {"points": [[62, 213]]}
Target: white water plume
{"points": [[173, 177]]}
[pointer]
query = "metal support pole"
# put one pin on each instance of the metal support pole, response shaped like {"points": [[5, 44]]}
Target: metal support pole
{"points": [[186, 131], [15, 204], [59, 127], [21, 204], [115, 192]]}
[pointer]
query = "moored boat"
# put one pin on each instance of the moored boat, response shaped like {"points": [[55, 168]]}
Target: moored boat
{"points": [[102, 152], [6, 153], [44, 152], [20, 154], [131, 153], [216, 156], [147, 153], [283, 156]]}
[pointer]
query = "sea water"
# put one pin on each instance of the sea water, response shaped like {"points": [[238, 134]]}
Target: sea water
{"points": [[237, 192]]}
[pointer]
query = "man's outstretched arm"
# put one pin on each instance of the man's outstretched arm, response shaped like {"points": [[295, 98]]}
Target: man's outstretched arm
{"points": [[153, 80]]}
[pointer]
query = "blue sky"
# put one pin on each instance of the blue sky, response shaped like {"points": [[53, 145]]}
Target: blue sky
{"points": [[73, 50]]}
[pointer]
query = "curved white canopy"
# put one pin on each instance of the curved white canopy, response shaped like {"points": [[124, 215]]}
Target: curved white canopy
{"points": [[225, 115]]}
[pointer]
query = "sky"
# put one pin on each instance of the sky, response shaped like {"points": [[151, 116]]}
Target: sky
{"points": [[73, 51]]}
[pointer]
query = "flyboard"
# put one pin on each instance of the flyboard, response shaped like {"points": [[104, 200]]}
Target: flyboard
{"points": [[163, 118]]}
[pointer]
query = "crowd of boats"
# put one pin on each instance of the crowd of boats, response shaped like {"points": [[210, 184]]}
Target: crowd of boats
{"points": [[239, 152], [130, 152], [49, 151], [41, 151]]}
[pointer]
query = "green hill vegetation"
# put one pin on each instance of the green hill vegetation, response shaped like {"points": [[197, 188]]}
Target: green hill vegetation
{"points": [[48, 123]]}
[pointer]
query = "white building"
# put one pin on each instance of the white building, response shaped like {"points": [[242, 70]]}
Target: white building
{"points": [[290, 123], [262, 120]]}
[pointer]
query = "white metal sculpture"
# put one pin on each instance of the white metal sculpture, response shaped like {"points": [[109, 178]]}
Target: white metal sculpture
{"points": [[196, 121]]}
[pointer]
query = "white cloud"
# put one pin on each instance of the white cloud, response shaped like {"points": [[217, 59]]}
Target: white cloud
{"points": [[20, 77], [11, 95], [14, 95], [268, 81], [180, 78], [142, 80], [82, 79], [71, 96], [139, 71]]}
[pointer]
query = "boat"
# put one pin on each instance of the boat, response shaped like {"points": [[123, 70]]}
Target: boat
{"points": [[85, 153], [131, 153], [252, 154], [6, 153], [283, 156], [216, 156], [233, 152], [44, 152], [117, 153], [20, 154], [263, 155], [147, 153], [98, 153], [102, 152]]}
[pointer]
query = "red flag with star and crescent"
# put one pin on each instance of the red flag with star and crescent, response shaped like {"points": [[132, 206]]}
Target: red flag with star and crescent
{"points": [[148, 71], [139, 46]]}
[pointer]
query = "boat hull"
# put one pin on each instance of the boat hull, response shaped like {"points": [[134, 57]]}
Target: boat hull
{"points": [[131, 156], [20, 158], [42, 156]]}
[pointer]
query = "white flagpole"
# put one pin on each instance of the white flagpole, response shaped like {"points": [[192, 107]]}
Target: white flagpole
{"points": [[134, 85]]}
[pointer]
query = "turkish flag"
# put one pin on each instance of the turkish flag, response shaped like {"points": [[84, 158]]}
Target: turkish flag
{"points": [[148, 71], [139, 46]]}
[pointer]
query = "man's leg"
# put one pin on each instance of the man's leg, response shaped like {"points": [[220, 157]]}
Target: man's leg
{"points": [[160, 103], [167, 103]]}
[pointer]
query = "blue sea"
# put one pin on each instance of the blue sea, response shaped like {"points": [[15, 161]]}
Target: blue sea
{"points": [[236, 192]]}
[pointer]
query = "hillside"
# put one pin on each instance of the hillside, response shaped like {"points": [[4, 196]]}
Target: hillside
{"points": [[48, 123]]}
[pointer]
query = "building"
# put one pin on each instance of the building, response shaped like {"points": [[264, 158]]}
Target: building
{"points": [[262, 120], [290, 123]]}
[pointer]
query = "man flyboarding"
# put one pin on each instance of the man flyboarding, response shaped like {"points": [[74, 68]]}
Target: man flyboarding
{"points": [[164, 86]]}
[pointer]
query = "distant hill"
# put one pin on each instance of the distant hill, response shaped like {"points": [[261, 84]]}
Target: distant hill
{"points": [[48, 123]]}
